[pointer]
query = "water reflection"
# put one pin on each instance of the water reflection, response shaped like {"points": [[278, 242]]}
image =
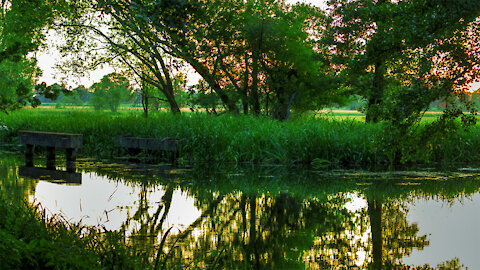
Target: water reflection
{"points": [[54, 176], [11, 185], [271, 217], [113, 204]]}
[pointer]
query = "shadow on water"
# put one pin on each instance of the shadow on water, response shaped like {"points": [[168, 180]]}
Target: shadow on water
{"points": [[54, 176], [261, 217]]}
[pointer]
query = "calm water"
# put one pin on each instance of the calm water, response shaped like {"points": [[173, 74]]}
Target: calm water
{"points": [[271, 217]]}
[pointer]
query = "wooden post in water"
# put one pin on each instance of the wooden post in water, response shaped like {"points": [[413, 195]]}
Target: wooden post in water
{"points": [[29, 155], [51, 157], [71, 158]]}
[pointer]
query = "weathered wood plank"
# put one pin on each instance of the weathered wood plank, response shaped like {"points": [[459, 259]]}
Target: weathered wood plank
{"points": [[163, 144], [57, 140]]}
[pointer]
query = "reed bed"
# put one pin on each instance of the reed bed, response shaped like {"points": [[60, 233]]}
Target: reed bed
{"points": [[205, 138]]}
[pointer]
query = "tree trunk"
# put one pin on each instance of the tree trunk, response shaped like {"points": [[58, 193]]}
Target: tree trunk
{"points": [[245, 87], [203, 70], [171, 101], [254, 88], [256, 53], [145, 103], [375, 213], [231, 106], [376, 95]]}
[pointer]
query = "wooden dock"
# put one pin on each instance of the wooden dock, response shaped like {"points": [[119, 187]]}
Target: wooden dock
{"points": [[52, 141], [133, 144]]}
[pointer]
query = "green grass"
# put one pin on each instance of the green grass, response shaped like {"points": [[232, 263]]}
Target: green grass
{"points": [[205, 138], [29, 239], [321, 140]]}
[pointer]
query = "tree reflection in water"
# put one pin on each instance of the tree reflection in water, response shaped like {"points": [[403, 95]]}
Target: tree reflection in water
{"points": [[12, 186], [277, 219]]}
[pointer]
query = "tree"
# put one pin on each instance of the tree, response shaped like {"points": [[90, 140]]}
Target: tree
{"points": [[255, 51], [202, 96], [110, 92], [391, 49], [149, 98], [83, 93], [402, 56], [21, 22], [99, 32]]}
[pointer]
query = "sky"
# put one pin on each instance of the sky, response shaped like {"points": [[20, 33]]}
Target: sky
{"points": [[48, 58]]}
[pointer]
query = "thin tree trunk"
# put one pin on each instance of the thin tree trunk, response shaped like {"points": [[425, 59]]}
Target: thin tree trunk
{"points": [[375, 213], [171, 101], [254, 89], [145, 103], [203, 70], [245, 87], [376, 95], [255, 59]]}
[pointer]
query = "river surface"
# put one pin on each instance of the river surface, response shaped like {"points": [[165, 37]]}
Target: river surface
{"points": [[270, 216]]}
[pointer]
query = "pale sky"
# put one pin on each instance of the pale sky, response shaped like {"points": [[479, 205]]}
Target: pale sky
{"points": [[48, 59]]}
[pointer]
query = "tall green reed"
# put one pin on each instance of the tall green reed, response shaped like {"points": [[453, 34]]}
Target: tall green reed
{"points": [[233, 138]]}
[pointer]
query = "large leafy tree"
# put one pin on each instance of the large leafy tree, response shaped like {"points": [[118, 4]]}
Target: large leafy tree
{"points": [[21, 22], [110, 92], [420, 48], [259, 52], [401, 56], [114, 32]]}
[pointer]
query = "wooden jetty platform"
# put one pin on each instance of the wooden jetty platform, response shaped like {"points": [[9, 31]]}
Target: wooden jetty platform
{"points": [[52, 141]]}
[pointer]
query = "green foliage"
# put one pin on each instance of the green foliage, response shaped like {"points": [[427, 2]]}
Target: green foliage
{"points": [[388, 52], [15, 85], [386, 47], [110, 92], [338, 140], [20, 34], [73, 99], [130, 43], [258, 52], [201, 96], [29, 239]]}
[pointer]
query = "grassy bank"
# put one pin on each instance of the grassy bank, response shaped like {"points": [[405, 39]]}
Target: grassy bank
{"points": [[31, 240], [329, 139]]}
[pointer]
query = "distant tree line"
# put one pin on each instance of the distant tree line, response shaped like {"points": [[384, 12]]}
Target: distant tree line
{"points": [[109, 93]]}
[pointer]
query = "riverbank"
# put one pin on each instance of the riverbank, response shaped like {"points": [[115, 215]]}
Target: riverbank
{"points": [[316, 141], [32, 239]]}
